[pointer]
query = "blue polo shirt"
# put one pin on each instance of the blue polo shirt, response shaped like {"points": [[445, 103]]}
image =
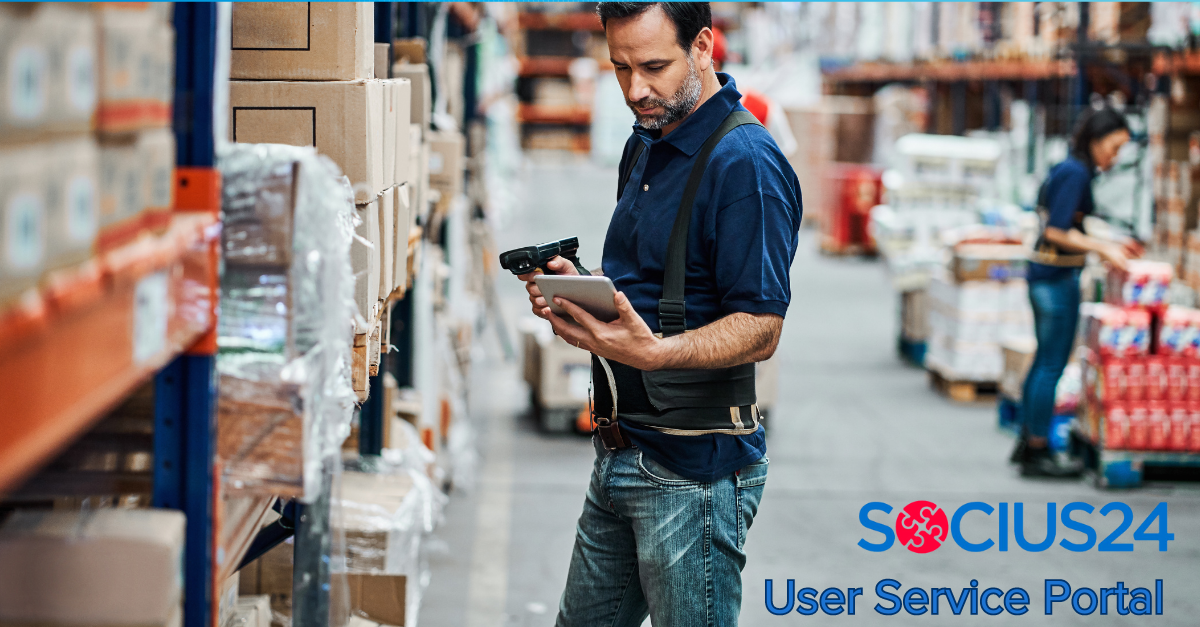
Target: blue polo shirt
{"points": [[1067, 197], [743, 237]]}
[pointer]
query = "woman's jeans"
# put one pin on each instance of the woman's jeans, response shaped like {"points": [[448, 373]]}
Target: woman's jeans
{"points": [[650, 542], [1055, 318]]}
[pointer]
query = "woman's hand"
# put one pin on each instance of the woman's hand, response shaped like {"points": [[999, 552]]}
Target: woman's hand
{"points": [[1133, 249], [1115, 255]]}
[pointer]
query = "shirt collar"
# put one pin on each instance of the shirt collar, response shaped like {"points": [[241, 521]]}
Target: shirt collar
{"points": [[689, 136]]}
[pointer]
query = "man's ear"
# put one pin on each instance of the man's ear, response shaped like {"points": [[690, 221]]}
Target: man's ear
{"points": [[702, 49]]}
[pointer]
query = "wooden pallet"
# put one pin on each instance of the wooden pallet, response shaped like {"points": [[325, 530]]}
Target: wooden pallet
{"points": [[962, 391], [1125, 469]]}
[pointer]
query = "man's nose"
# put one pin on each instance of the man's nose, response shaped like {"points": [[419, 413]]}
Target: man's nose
{"points": [[639, 87]]}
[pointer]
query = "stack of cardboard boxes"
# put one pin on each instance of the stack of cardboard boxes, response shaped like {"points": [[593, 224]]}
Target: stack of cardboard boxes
{"points": [[86, 153], [305, 75]]}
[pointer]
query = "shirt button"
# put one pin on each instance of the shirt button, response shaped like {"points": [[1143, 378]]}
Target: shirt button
{"points": [[645, 188]]}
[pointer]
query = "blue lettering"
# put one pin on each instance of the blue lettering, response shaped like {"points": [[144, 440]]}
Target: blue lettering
{"points": [[1053, 597], [791, 591], [1019, 528], [1092, 603], [1003, 527], [851, 594], [1083, 528], [889, 536], [983, 601], [806, 601], [956, 532], [973, 593], [1158, 591], [1139, 597], [832, 600], [915, 600], [1121, 592], [1016, 601], [884, 595]]}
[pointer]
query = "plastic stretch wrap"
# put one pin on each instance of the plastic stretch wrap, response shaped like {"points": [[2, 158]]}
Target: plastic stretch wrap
{"points": [[286, 305], [386, 516]]}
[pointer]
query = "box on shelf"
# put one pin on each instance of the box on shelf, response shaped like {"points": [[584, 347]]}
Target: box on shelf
{"points": [[365, 262], [369, 504], [402, 98], [101, 567], [156, 151], [389, 133], [270, 575], [251, 611], [401, 229], [137, 65], [343, 119], [53, 48], [410, 50], [122, 190], [378, 598], [305, 41], [447, 154], [421, 93], [558, 374], [387, 242], [382, 60], [989, 262], [73, 201], [23, 216], [227, 599], [1144, 284]]}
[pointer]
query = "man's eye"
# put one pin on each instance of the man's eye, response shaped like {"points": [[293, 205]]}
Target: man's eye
{"points": [[655, 68]]}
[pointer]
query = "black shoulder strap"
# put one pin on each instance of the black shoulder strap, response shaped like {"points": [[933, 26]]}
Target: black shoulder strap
{"points": [[633, 159], [672, 310]]}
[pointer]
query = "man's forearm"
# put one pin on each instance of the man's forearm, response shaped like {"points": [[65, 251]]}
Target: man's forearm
{"points": [[736, 339]]}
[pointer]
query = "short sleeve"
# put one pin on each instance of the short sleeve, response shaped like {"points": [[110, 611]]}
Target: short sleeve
{"points": [[756, 239], [1066, 193]]}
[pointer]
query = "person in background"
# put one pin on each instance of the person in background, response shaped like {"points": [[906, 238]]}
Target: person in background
{"points": [[1059, 254]]}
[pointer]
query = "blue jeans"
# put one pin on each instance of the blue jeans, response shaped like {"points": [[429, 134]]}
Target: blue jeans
{"points": [[1055, 318], [653, 543]]}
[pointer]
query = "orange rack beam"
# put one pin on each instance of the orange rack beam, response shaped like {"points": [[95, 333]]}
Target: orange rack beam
{"points": [[73, 349], [560, 21], [953, 71], [554, 114], [551, 66]]}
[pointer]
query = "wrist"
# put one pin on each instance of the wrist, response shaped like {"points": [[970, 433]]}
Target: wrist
{"points": [[658, 354]]}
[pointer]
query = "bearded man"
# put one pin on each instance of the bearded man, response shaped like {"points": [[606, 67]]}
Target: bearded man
{"points": [[699, 248]]}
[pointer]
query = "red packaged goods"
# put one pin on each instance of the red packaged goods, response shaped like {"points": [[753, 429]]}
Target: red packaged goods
{"points": [[1103, 327], [1176, 380], [1158, 421], [1116, 424], [1193, 379], [1193, 428], [851, 190], [1143, 284], [1113, 384], [1135, 337], [1181, 416], [1138, 434], [1156, 378], [1135, 380], [1179, 332]]}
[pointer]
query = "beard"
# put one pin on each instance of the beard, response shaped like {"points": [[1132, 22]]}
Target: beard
{"points": [[675, 108]]}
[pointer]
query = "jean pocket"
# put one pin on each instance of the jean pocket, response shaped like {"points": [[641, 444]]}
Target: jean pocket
{"points": [[753, 474], [660, 474]]}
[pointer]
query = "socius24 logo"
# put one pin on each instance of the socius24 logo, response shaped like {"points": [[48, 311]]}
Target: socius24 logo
{"points": [[923, 527]]}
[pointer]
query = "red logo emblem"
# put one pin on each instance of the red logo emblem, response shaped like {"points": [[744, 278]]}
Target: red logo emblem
{"points": [[921, 526]]}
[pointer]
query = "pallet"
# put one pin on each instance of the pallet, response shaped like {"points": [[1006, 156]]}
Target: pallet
{"points": [[1125, 469], [832, 248], [912, 351], [962, 391]]}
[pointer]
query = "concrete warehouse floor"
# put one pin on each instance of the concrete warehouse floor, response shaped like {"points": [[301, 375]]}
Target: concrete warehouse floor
{"points": [[853, 425]]}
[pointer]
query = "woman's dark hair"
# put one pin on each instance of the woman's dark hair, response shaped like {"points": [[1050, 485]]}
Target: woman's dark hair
{"points": [[689, 17], [1095, 125]]}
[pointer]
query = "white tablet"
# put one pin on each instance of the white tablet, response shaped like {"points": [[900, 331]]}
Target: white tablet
{"points": [[592, 293]]}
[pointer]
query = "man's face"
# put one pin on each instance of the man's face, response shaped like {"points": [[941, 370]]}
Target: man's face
{"points": [[661, 82]]}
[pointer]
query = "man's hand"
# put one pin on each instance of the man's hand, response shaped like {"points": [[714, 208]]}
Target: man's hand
{"points": [[736, 339], [557, 265], [626, 340]]}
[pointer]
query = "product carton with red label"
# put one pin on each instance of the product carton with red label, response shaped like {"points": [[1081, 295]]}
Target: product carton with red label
{"points": [[1158, 422], [1116, 424], [1143, 284], [1180, 419], [1138, 434], [1179, 332]]}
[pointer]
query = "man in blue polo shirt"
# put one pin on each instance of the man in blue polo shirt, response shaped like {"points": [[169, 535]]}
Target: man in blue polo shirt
{"points": [[680, 470]]}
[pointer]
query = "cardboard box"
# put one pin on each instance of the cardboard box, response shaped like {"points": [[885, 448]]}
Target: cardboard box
{"points": [[422, 93], [364, 260], [558, 373], [257, 226], [251, 611], [390, 134], [402, 228], [53, 48], [137, 65], [343, 119], [378, 598], [420, 168], [411, 50], [227, 599], [387, 242], [156, 151], [122, 191], [383, 64], [368, 502], [23, 213], [307, 41], [404, 133], [103, 567], [271, 575], [73, 201], [989, 262], [447, 153]]}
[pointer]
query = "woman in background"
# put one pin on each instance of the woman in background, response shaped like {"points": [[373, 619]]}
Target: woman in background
{"points": [[1065, 198]]}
